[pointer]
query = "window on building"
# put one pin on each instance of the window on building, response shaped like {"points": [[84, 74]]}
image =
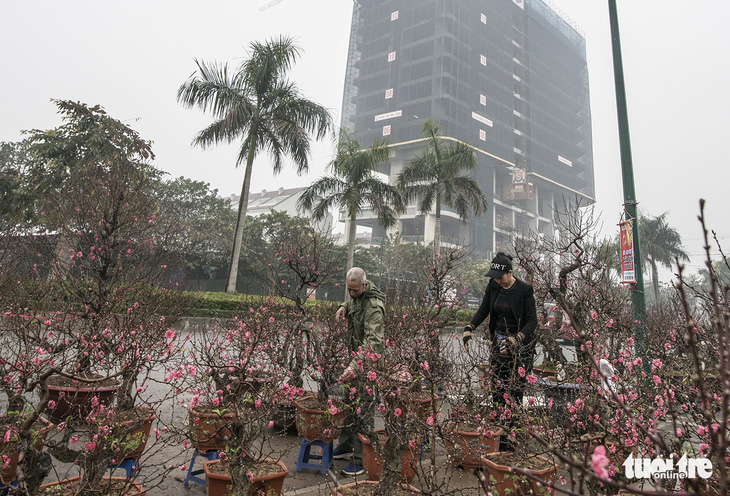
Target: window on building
{"points": [[565, 161]]}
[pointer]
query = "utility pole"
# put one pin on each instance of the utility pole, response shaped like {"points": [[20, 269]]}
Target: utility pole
{"points": [[627, 173]]}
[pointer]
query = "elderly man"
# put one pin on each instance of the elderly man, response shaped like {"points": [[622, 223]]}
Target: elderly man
{"points": [[365, 313]]}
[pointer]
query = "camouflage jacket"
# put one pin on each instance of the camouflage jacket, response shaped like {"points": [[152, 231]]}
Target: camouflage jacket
{"points": [[365, 320]]}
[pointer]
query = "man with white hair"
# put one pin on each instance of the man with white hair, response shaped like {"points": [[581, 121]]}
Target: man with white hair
{"points": [[365, 314]]}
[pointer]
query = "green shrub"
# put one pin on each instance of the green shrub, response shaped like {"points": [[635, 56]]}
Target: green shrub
{"points": [[226, 305]]}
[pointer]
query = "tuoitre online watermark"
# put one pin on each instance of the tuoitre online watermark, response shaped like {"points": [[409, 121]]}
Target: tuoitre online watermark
{"points": [[665, 468]]}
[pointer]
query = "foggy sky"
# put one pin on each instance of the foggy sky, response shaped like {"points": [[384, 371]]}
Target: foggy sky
{"points": [[132, 56]]}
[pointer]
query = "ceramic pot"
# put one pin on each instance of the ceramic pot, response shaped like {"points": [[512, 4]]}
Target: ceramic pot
{"points": [[466, 448], [9, 453], [135, 439], [548, 374], [208, 430], [505, 482], [318, 425], [76, 401], [221, 485], [336, 490], [373, 464], [61, 488]]}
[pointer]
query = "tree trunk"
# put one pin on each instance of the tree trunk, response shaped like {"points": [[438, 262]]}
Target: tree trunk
{"points": [[241, 221], [392, 455], [437, 228], [654, 280], [351, 233], [241, 484]]}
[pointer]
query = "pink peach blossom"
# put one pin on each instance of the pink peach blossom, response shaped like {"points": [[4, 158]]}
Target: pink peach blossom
{"points": [[600, 461]]}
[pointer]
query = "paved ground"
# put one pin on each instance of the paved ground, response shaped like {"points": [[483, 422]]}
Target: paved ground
{"points": [[169, 458], [165, 463], [311, 482]]}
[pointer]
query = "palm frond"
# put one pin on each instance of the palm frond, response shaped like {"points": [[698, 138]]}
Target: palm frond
{"points": [[210, 89], [268, 63]]}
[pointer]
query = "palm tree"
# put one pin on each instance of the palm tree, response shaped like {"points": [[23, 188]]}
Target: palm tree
{"points": [[258, 105], [661, 244], [353, 185], [434, 178]]}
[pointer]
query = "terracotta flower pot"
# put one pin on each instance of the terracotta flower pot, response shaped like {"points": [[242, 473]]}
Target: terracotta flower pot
{"points": [[419, 404], [318, 425], [135, 440], [504, 482], [466, 447], [9, 453], [77, 401], [340, 490], [66, 487], [208, 430], [221, 485], [373, 464], [425, 404], [545, 373]]}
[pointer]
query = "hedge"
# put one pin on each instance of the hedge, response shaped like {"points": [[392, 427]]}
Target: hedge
{"points": [[226, 305]]}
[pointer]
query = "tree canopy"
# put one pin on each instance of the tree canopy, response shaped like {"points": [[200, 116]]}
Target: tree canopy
{"points": [[259, 106], [436, 177]]}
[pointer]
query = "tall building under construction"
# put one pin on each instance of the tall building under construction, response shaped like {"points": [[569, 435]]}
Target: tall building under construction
{"points": [[508, 77]]}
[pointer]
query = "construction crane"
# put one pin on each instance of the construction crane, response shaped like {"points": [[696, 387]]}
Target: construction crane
{"points": [[270, 4]]}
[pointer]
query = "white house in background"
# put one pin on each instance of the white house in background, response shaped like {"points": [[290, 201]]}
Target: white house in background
{"points": [[281, 200]]}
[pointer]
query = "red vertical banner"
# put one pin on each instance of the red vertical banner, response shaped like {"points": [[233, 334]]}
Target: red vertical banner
{"points": [[628, 274]]}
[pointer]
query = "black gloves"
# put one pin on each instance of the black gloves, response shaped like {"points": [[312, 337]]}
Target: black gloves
{"points": [[513, 343]]}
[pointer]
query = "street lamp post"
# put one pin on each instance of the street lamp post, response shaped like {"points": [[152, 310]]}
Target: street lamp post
{"points": [[627, 172]]}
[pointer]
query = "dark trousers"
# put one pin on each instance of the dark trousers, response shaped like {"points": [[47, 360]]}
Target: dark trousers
{"points": [[348, 441]]}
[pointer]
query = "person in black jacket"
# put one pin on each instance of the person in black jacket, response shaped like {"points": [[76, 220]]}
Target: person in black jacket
{"points": [[510, 305]]}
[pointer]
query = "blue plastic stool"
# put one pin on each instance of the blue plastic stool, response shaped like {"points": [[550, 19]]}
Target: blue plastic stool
{"points": [[193, 474], [305, 455], [128, 464], [5, 489]]}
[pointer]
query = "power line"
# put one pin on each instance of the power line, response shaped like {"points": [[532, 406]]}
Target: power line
{"points": [[270, 4]]}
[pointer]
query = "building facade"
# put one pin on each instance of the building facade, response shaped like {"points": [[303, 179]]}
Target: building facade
{"points": [[508, 77], [280, 200]]}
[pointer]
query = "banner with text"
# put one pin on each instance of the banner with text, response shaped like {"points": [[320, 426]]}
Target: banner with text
{"points": [[628, 274]]}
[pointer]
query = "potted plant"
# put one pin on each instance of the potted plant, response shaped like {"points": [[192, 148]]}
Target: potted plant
{"points": [[11, 446], [471, 432], [110, 486], [369, 488], [298, 261], [321, 415], [267, 477], [103, 301], [507, 469], [237, 384], [373, 463], [389, 454]]}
